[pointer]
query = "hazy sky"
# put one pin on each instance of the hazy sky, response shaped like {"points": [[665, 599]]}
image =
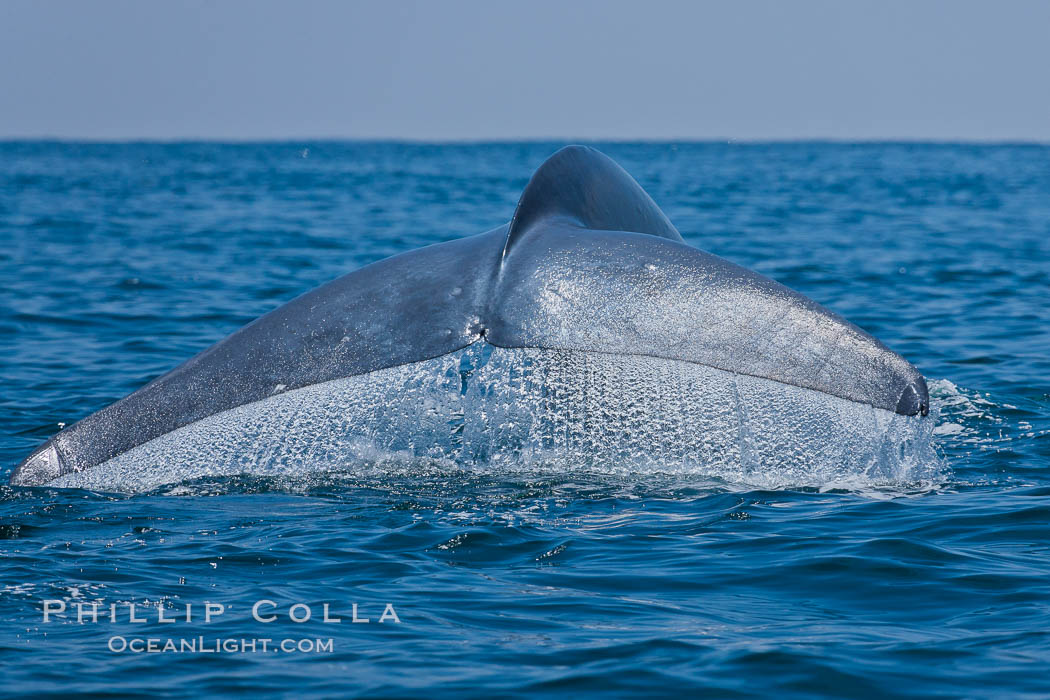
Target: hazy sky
{"points": [[525, 69]]}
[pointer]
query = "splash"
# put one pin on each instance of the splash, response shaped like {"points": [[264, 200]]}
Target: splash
{"points": [[976, 429], [486, 408]]}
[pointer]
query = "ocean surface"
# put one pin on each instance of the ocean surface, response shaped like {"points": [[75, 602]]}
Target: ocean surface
{"points": [[120, 261]]}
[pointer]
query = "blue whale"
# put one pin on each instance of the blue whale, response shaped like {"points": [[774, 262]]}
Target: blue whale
{"points": [[588, 267]]}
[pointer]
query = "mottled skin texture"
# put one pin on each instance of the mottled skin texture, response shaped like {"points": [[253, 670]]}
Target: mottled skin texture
{"points": [[588, 262]]}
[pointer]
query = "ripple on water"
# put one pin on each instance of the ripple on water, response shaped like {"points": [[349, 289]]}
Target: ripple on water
{"points": [[536, 575]]}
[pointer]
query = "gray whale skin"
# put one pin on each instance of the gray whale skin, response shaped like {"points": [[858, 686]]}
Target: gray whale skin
{"points": [[588, 262]]}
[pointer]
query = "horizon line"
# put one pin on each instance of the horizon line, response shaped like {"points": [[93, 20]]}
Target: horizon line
{"points": [[973, 141]]}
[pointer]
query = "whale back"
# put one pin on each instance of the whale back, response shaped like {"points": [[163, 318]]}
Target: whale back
{"points": [[583, 187]]}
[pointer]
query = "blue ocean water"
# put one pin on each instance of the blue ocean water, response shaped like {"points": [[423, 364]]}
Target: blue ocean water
{"points": [[121, 260]]}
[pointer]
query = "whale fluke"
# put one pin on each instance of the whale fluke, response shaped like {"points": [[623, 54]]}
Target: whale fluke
{"points": [[588, 264]]}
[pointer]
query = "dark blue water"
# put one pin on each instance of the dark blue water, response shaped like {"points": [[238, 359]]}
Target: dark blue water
{"points": [[120, 261]]}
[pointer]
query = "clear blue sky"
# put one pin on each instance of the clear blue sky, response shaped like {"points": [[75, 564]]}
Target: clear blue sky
{"points": [[525, 69]]}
